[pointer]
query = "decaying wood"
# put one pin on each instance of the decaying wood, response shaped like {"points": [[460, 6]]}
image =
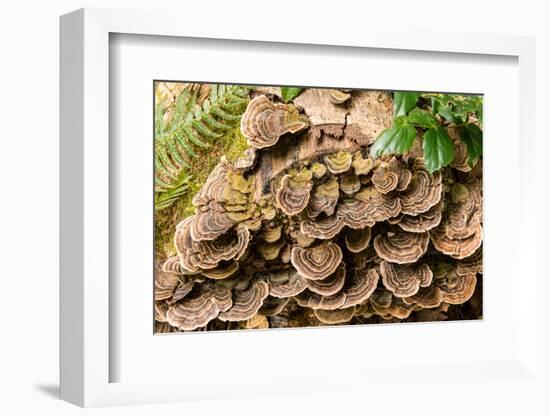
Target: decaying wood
{"points": [[275, 91], [324, 115], [370, 112], [375, 114]]}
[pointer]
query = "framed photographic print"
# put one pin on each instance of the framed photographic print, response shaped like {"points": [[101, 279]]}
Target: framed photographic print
{"points": [[289, 207], [295, 208]]}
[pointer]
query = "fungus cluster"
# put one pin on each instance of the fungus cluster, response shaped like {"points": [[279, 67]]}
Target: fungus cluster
{"points": [[306, 229]]}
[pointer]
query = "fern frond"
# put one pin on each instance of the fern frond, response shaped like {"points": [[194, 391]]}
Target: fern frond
{"points": [[188, 149], [225, 115], [192, 137], [188, 128], [203, 130], [215, 124]]}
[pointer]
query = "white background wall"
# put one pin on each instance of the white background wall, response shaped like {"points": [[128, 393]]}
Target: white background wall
{"points": [[29, 81]]}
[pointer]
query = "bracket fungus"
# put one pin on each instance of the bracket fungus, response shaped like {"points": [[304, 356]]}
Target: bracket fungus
{"points": [[422, 222], [391, 175], [458, 289], [310, 230], [324, 198], [339, 96], [308, 299], [401, 247], [221, 272], [199, 308], [270, 251], [196, 255], [350, 184], [460, 161], [404, 280], [324, 228], [246, 303], [294, 191], [470, 265], [339, 162], [329, 285], [379, 206], [318, 262], [273, 306], [460, 232], [286, 284], [264, 122], [258, 321], [360, 286], [361, 165], [426, 297], [358, 240], [165, 284], [338, 316], [423, 192]]}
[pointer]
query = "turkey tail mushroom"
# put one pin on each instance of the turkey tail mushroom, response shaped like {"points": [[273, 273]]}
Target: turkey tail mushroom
{"points": [[329, 285], [309, 230], [360, 286], [324, 198], [323, 228], [458, 248], [358, 240], [471, 265], [423, 192], [332, 317], [246, 303], [165, 284], [294, 192], [422, 222], [196, 255], [426, 297], [286, 284], [197, 309], [318, 262], [391, 175], [402, 247], [264, 122], [338, 162], [380, 206], [459, 289], [404, 280]]}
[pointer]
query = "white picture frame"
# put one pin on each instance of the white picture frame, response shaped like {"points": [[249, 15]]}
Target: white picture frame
{"points": [[86, 304]]}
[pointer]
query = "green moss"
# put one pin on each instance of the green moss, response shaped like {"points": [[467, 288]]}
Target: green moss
{"points": [[232, 144]]}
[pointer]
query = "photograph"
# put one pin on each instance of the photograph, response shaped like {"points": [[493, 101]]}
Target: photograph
{"points": [[294, 207]]}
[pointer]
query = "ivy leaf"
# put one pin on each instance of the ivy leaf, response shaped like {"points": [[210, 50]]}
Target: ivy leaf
{"points": [[438, 148], [403, 102], [422, 118], [435, 104], [288, 93], [395, 140], [473, 137], [479, 115], [447, 113]]}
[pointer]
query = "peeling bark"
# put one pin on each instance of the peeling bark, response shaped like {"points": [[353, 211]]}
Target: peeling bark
{"points": [[369, 113]]}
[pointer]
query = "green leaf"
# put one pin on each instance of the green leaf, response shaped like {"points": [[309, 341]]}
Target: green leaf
{"points": [[447, 113], [479, 115], [395, 140], [438, 148], [422, 118], [473, 137], [288, 93], [435, 104], [403, 102]]}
